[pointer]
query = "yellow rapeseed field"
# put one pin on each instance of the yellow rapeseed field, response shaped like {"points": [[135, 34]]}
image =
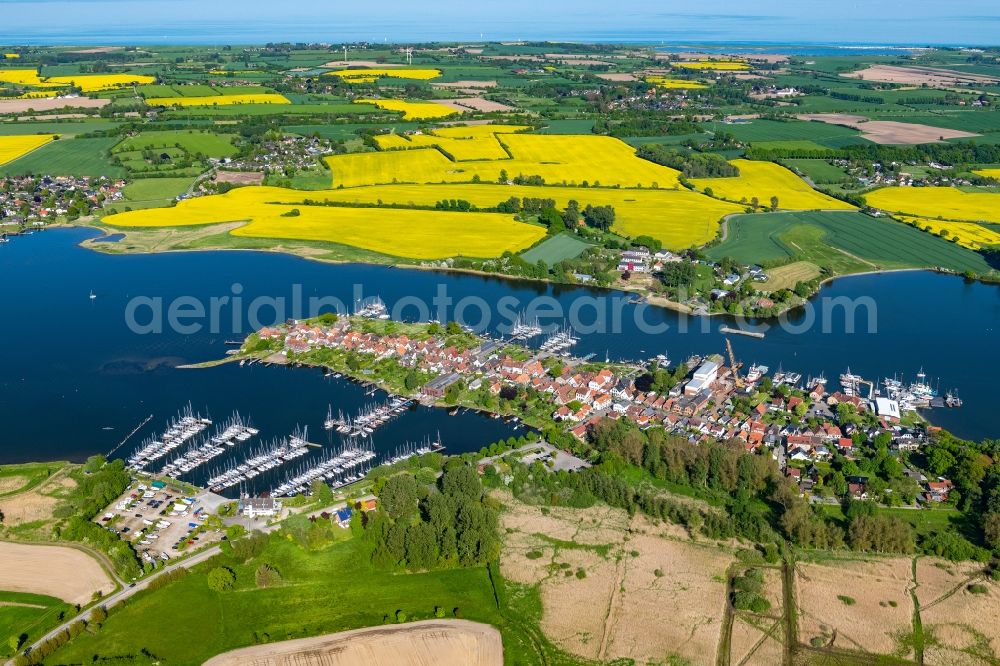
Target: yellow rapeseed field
{"points": [[11, 56], [22, 77], [765, 180], [559, 159], [717, 65], [12, 147], [414, 234], [219, 100], [411, 110], [967, 234], [96, 82], [988, 173], [678, 84], [372, 75], [86, 82], [478, 142], [679, 218], [948, 203]]}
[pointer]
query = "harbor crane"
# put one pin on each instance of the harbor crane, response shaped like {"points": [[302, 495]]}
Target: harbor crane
{"points": [[735, 366]]}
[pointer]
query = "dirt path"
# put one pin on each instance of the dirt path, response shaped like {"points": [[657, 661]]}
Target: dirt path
{"points": [[918, 628], [428, 643], [790, 615], [613, 604]]}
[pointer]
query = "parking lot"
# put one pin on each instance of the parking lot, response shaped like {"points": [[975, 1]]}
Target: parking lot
{"points": [[161, 522]]}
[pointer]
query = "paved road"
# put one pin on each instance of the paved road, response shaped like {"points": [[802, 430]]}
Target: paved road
{"points": [[142, 584]]}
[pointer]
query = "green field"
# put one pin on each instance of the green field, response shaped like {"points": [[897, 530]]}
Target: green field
{"points": [[819, 171], [800, 144], [28, 614], [237, 110], [208, 144], [321, 591], [65, 127], [792, 130], [555, 249], [156, 189], [344, 131], [67, 157], [830, 239]]}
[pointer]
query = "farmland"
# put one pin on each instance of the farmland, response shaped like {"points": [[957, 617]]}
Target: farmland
{"points": [[411, 110], [373, 74], [13, 147], [848, 242], [714, 65], [558, 159], [31, 614], [413, 234], [76, 157], [556, 249], [675, 84], [86, 82], [763, 180], [219, 100], [60, 571], [401, 233], [967, 234], [206, 143], [947, 203]]}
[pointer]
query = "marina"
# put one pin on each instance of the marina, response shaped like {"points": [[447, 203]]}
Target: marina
{"points": [[179, 431], [369, 419], [125, 377]]}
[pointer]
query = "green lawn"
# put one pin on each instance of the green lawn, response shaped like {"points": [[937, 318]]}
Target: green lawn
{"points": [[556, 249], [320, 592], [825, 238], [28, 614], [67, 157]]}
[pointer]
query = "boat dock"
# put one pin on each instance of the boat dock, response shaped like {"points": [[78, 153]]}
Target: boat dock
{"points": [[739, 331]]}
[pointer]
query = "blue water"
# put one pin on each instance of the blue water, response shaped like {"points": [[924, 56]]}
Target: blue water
{"points": [[71, 366], [47, 22]]}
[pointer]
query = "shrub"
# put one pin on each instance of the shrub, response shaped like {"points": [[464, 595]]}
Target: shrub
{"points": [[221, 579], [581, 574], [267, 576], [978, 588], [533, 554], [848, 601]]}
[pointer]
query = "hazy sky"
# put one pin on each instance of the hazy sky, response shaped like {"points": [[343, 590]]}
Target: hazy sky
{"points": [[216, 21]]}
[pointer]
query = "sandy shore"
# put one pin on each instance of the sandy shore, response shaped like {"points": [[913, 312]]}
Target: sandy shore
{"points": [[428, 643]]}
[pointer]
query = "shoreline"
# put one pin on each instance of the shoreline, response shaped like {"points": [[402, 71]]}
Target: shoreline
{"points": [[647, 298]]}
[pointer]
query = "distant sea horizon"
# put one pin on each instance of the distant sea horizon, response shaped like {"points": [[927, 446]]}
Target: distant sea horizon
{"points": [[246, 35]]}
